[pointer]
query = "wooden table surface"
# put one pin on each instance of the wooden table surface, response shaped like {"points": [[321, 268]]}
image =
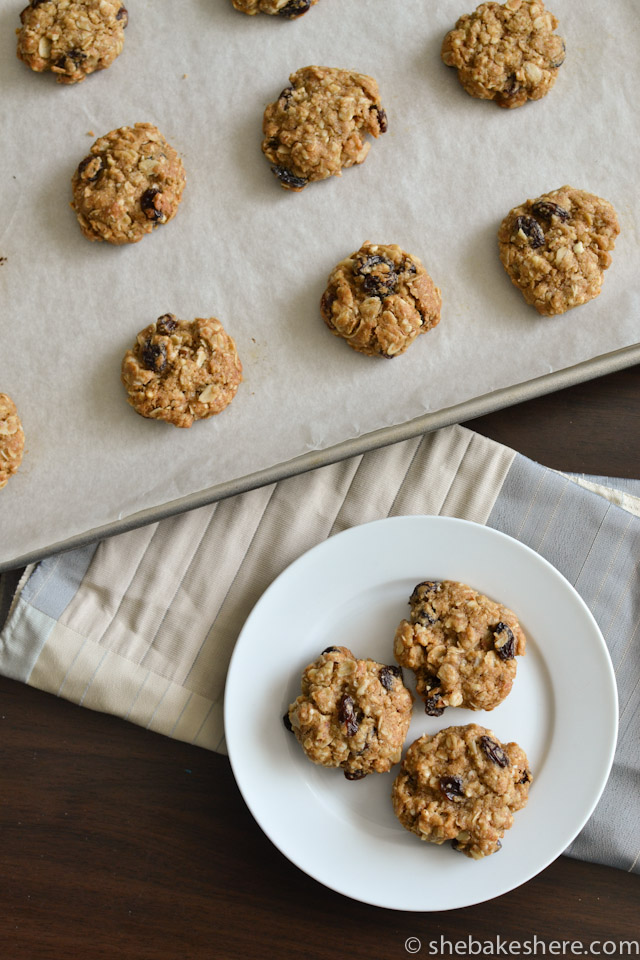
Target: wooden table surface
{"points": [[118, 843]]}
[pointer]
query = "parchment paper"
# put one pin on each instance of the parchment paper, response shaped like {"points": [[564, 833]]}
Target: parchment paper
{"points": [[242, 249]]}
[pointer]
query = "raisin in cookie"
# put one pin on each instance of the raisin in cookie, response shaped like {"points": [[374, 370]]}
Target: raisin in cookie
{"points": [[379, 299], [462, 785], [556, 248], [131, 181], [287, 9], [11, 439], [353, 714], [316, 126], [71, 38], [181, 371], [506, 52], [461, 646]]}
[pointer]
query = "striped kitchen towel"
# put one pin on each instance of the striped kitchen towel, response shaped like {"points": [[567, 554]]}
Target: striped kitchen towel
{"points": [[143, 625]]}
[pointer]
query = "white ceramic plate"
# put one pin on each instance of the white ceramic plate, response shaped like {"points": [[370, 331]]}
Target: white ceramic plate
{"points": [[353, 590]]}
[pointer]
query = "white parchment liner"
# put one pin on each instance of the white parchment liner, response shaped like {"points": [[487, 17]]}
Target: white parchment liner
{"points": [[242, 249]]}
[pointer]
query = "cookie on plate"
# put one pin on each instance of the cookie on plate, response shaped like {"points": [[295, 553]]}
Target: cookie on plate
{"points": [[130, 182], [556, 248], [462, 785], [379, 300], [11, 439], [506, 52], [353, 714], [181, 371], [316, 126], [287, 9], [461, 646], [71, 38]]}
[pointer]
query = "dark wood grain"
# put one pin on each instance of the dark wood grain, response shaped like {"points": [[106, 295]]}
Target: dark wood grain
{"points": [[591, 428], [118, 843]]}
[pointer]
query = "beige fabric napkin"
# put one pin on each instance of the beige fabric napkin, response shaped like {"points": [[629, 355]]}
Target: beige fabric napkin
{"points": [[143, 625]]}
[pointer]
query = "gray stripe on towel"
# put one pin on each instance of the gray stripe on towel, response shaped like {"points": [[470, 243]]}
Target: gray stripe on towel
{"points": [[55, 580], [597, 548]]}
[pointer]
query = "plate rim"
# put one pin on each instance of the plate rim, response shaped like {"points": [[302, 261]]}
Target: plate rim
{"points": [[609, 709]]}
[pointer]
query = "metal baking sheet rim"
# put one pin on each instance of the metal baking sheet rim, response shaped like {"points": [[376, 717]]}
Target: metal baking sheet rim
{"points": [[467, 410]]}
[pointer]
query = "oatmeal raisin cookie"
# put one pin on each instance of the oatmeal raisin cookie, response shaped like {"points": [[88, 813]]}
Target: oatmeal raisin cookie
{"points": [[11, 439], [380, 299], [287, 9], [461, 645], [556, 248], [130, 182], [506, 52], [181, 371], [71, 38], [315, 128], [353, 714], [462, 785]]}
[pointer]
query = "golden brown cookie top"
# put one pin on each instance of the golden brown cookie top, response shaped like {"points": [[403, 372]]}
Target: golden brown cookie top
{"points": [[180, 371], [316, 126], [506, 52], [71, 38]]}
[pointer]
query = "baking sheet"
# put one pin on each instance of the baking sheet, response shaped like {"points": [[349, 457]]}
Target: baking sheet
{"points": [[438, 183]]}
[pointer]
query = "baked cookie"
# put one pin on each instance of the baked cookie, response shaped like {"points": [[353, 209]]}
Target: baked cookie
{"points": [[353, 714], [71, 38], [379, 299], [11, 439], [131, 181], [287, 9], [181, 371], [506, 52], [461, 646], [462, 785], [316, 126], [556, 248]]}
